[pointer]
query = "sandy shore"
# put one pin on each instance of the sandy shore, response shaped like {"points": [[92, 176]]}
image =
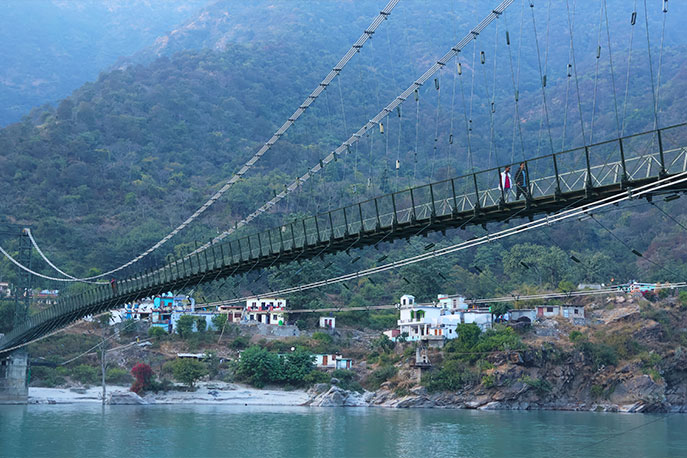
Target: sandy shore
{"points": [[207, 393]]}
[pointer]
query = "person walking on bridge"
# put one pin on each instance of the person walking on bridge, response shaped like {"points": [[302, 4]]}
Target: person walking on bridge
{"points": [[113, 284], [506, 182], [520, 181]]}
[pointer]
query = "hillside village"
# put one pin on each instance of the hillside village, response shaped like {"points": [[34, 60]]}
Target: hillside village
{"points": [[623, 352]]}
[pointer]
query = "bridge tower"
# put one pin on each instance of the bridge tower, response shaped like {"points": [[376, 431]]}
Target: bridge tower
{"points": [[14, 383]]}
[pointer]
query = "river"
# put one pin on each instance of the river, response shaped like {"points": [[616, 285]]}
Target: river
{"points": [[284, 432]]}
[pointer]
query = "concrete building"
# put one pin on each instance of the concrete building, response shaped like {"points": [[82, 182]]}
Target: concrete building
{"points": [[452, 302], [327, 322], [332, 361], [234, 312], [266, 310], [522, 315], [565, 311]]}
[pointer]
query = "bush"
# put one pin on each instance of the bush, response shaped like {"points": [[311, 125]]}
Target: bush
{"points": [[240, 342], [381, 375], [185, 326], [296, 366], [541, 386], [201, 324], [85, 374], [46, 376], [218, 321], [118, 375], [488, 381], [316, 376], [453, 376], [156, 332], [347, 380], [598, 354], [258, 366], [188, 371], [143, 375]]}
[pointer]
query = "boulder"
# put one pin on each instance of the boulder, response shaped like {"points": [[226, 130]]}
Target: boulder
{"points": [[119, 398]]}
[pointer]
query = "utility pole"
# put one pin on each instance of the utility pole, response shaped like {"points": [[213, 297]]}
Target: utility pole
{"points": [[104, 321]]}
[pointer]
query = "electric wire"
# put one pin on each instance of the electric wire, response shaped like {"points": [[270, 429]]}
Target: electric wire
{"points": [[633, 21]]}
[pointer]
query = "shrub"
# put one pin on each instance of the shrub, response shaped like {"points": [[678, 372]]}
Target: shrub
{"points": [[488, 381], [316, 376], [259, 366], [240, 342], [185, 326], [596, 391], [296, 366], [156, 332], [143, 375], [452, 376], [576, 336], [188, 371], [218, 321], [381, 375], [117, 375], [598, 354], [85, 374], [541, 386], [322, 337], [201, 324], [682, 297]]}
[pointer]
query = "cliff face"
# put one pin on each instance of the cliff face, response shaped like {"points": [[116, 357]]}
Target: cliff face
{"points": [[628, 356], [539, 380]]}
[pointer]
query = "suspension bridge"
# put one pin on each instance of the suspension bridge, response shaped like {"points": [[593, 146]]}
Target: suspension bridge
{"points": [[560, 185]]}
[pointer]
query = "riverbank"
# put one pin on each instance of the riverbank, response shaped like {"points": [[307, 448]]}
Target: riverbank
{"points": [[206, 393]]}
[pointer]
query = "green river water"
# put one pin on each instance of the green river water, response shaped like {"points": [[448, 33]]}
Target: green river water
{"points": [[284, 432]]}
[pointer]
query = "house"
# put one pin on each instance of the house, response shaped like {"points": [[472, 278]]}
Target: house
{"points": [[592, 286], [326, 361], [344, 363], [452, 302], [5, 290], [438, 322], [328, 322], [522, 315], [266, 310], [392, 334], [566, 311], [481, 317], [234, 312]]}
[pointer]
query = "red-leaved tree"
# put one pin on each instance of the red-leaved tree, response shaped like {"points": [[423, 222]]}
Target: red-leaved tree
{"points": [[143, 375]]}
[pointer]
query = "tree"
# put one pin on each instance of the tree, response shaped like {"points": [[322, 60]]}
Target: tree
{"points": [[297, 366], [185, 326], [201, 324], [218, 321], [188, 371], [259, 366], [144, 377]]}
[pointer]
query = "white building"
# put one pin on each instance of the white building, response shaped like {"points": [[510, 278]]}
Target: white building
{"points": [[267, 310], [424, 321], [332, 361], [452, 302], [328, 322], [565, 311]]}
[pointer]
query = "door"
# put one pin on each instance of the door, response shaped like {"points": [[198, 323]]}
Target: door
{"points": [[324, 360]]}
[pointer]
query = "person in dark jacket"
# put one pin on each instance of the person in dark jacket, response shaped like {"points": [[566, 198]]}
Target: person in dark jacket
{"points": [[521, 181]]}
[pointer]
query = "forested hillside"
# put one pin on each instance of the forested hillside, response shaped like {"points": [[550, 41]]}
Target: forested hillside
{"points": [[123, 160], [51, 47]]}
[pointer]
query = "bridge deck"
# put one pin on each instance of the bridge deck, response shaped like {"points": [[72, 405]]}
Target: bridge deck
{"points": [[571, 178]]}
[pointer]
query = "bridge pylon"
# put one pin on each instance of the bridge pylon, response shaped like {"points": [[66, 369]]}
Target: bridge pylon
{"points": [[14, 383]]}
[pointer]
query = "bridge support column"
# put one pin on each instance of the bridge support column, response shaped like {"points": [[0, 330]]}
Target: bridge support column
{"points": [[14, 383]]}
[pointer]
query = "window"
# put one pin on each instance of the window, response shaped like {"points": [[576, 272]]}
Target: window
{"points": [[576, 312], [549, 309]]}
